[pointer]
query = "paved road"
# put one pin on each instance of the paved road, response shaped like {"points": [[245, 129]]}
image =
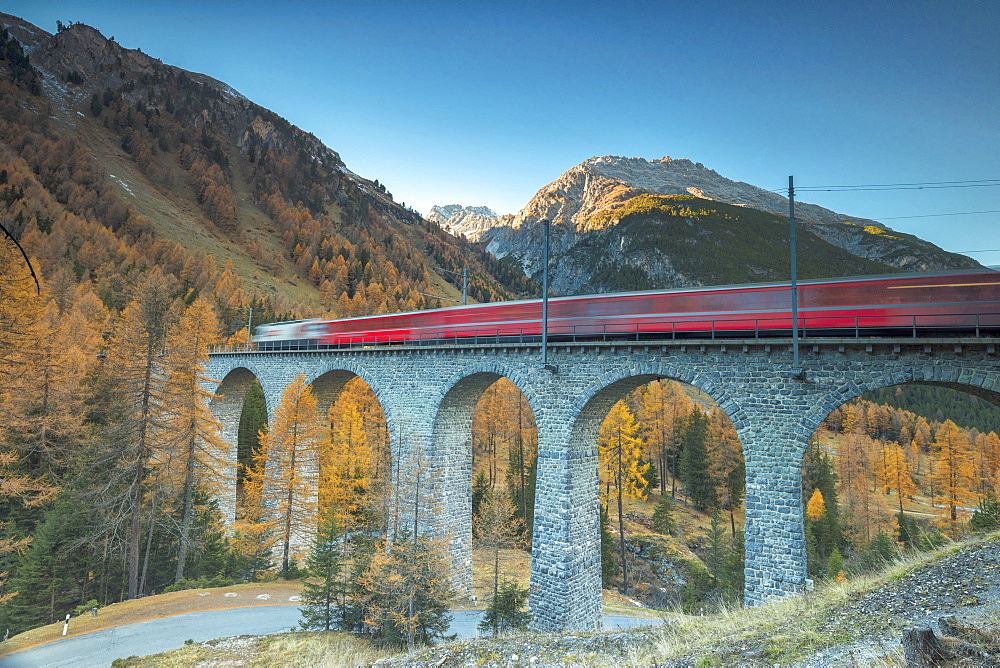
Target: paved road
{"points": [[100, 648]]}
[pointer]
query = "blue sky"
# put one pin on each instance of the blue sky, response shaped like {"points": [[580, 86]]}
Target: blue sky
{"points": [[484, 103]]}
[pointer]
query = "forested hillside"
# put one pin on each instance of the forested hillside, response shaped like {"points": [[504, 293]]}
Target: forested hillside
{"points": [[157, 207], [118, 163]]}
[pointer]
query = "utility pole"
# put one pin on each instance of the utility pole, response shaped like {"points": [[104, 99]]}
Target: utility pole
{"points": [[465, 284], [796, 368], [545, 293], [249, 310]]}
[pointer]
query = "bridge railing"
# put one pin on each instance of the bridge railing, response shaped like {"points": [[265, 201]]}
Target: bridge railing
{"points": [[856, 326]]}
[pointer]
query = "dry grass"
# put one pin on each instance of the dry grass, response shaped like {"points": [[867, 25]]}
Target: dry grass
{"points": [[316, 649], [514, 565], [783, 631]]}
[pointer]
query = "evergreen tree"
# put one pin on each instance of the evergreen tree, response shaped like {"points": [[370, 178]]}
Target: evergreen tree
{"points": [[694, 465], [504, 613], [402, 596], [987, 516], [48, 575], [322, 588], [608, 566], [480, 488], [663, 515], [824, 521], [723, 560]]}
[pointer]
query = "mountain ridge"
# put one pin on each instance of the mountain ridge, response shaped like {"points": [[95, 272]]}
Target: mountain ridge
{"points": [[586, 203]]}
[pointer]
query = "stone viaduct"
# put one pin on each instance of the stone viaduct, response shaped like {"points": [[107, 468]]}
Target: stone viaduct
{"points": [[428, 395]]}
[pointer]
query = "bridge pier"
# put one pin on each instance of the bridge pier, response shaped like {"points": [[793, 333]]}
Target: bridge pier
{"points": [[566, 541]]}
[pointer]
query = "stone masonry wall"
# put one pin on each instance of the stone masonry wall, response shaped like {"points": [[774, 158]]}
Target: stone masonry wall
{"points": [[428, 395]]}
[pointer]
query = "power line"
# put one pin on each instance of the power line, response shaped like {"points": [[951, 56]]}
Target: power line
{"points": [[935, 215], [930, 185]]}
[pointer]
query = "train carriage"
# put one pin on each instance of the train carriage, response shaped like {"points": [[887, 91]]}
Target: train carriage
{"points": [[939, 303]]}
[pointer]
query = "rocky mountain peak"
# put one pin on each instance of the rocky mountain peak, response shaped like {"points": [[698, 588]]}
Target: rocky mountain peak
{"points": [[587, 204], [471, 221]]}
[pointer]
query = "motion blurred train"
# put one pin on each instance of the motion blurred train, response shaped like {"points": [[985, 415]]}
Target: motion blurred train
{"points": [[937, 304]]}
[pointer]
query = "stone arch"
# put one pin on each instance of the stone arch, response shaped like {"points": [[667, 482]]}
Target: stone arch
{"points": [[971, 380], [327, 384], [596, 400], [568, 586], [450, 456], [227, 407]]}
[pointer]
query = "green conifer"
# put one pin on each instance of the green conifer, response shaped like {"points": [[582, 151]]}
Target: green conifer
{"points": [[504, 612], [322, 587]]}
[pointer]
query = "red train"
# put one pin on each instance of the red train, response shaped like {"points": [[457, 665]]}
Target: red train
{"points": [[947, 303]]}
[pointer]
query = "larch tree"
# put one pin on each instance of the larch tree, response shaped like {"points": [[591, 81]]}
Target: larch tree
{"points": [[658, 413], [193, 448], [497, 528], [347, 465], [46, 400], [522, 462], [897, 472], [952, 474], [137, 370], [620, 453], [987, 463], [21, 312], [254, 532], [294, 438], [727, 465]]}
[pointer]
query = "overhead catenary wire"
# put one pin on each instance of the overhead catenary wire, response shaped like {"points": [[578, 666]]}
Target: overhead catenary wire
{"points": [[935, 215], [978, 183]]}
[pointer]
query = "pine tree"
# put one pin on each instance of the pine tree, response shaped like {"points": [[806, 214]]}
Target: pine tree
{"points": [[47, 576], [504, 613], [322, 588], [694, 465], [819, 477], [663, 515], [608, 566], [722, 560]]}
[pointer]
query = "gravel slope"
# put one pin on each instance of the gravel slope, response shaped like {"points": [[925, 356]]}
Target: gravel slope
{"points": [[957, 596]]}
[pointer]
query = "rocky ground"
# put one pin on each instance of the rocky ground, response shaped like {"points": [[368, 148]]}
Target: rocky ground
{"points": [[949, 608]]}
